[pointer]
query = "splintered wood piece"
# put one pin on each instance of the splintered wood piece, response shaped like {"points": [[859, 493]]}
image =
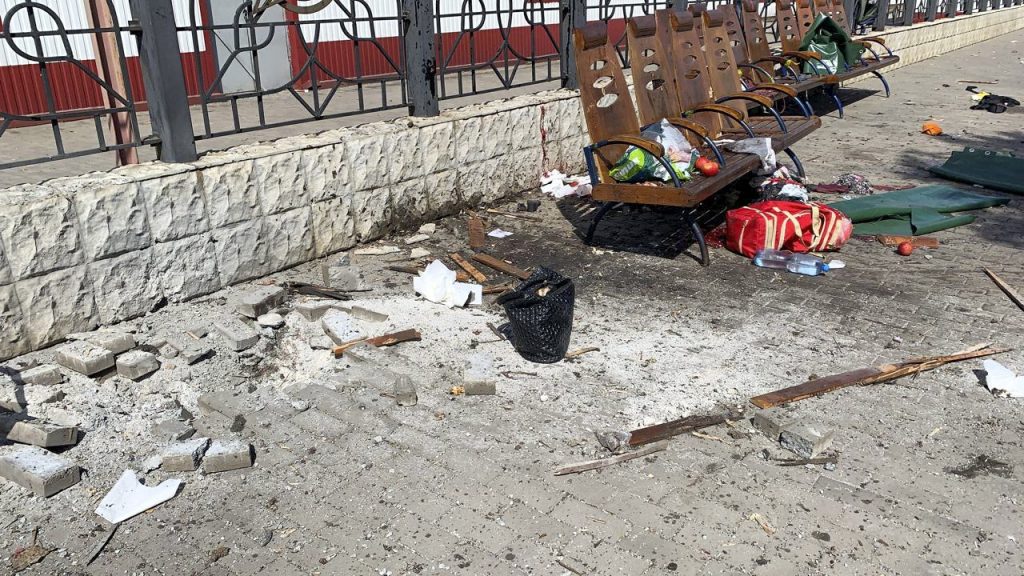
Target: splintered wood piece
{"points": [[605, 462], [917, 242], [469, 268], [666, 430], [477, 238], [380, 341], [500, 266], [498, 288], [1006, 288], [867, 376]]}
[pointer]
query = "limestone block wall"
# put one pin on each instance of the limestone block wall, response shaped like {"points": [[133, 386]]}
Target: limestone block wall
{"points": [[80, 252], [929, 39]]}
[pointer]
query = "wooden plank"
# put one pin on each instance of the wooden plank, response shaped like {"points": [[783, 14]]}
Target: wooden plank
{"points": [[866, 376], [477, 238], [1006, 288], [500, 266], [469, 268], [666, 430], [605, 462], [380, 341]]}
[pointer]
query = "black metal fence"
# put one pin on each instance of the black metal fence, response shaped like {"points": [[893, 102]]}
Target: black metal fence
{"points": [[209, 68]]}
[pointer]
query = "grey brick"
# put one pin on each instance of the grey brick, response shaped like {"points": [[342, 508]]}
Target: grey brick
{"points": [[137, 364], [85, 358], [116, 342], [45, 375], [807, 440], [41, 471], [37, 432], [225, 455], [773, 421], [173, 429], [255, 301], [237, 334], [184, 456]]}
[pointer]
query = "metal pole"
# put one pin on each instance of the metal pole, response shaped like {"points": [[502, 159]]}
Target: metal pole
{"points": [[420, 57], [968, 6], [951, 8], [882, 17], [164, 80], [908, 12], [108, 67], [573, 15], [931, 8]]}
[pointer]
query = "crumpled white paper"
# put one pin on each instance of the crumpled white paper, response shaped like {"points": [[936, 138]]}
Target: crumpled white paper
{"points": [[1001, 381], [499, 233], [129, 497], [437, 284]]}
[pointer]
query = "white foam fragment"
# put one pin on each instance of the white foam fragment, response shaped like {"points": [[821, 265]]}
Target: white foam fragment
{"points": [[437, 284], [129, 497], [1001, 381]]}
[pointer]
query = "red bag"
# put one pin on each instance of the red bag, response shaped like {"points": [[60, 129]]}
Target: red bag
{"points": [[784, 225]]}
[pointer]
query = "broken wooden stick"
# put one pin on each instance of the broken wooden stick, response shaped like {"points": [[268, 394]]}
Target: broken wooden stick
{"points": [[917, 242], [605, 462], [379, 341], [868, 376], [1006, 288], [577, 353], [642, 436], [500, 266], [477, 239], [498, 288], [469, 268]]}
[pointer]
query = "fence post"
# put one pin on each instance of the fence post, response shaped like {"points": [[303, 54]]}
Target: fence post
{"points": [[882, 16], [930, 10], [164, 80], [573, 15], [420, 57], [951, 8], [908, 12], [968, 6]]}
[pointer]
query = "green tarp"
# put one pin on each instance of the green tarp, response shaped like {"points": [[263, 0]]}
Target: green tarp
{"points": [[984, 167], [829, 39], [914, 212]]}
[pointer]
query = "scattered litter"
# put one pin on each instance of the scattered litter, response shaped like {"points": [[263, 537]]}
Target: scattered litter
{"points": [[418, 253], [931, 129], [822, 461], [474, 273], [836, 264], [499, 233], [804, 264], [25, 557], [438, 284], [993, 103], [1001, 381], [918, 241], [514, 215], [605, 462], [416, 239], [428, 228], [704, 436], [1006, 288], [619, 441], [760, 147], [376, 250], [129, 497], [501, 266], [763, 523], [559, 186], [476, 232]]}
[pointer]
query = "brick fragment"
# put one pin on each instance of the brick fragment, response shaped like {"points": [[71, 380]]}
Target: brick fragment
{"points": [[116, 342], [339, 326], [807, 440], [45, 375], [255, 301], [173, 430], [184, 456], [137, 364], [225, 455], [238, 335], [84, 358], [41, 471], [37, 432], [478, 375], [773, 421]]}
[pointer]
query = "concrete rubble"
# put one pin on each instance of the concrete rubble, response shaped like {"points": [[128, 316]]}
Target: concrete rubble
{"points": [[37, 433], [255, 301], [184, 456], [39, 470], [238, 335], [137, 364], [85, 358], [227, 455], [46, 375]]}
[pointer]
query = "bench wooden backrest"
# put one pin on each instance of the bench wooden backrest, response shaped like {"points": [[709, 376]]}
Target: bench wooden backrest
{"points": [[721, 62], [604, 94], [804, 16], [789, 29], [653, 80], [678, 28], [753, 32], [732, 27], [838, 14]]}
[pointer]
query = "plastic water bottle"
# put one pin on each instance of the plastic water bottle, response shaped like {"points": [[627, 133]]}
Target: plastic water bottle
{"points": [[785, 260]]}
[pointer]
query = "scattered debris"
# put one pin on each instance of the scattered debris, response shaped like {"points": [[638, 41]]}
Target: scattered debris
{"points": [[476, 232], [321, 291], [825, 460], [45, 375], [37, 432], [225, 455], [380, 341], [41, 471], [416, 239], [255, 301], [499, 233], [439, 284], [868, 376], [418, 253], [892, 240], [137, 364], [340, 327], [1001, 381], [473, 271], [116, 342], [367, 315], [428, 228], [806, 440], [1006, 288], [993, 103], [129, 497], [271, 320], [559, 186], [236, 334], [763, 523], [982, 465], [25, 557], [619, 441], [577, 353], [85, 358], [501, 266], [605, 462], [931, 129], [773, 421], [101, 545], [478, 376], [516, 216], [218, 553], [376, 250], [405, 391], [184, 456]]}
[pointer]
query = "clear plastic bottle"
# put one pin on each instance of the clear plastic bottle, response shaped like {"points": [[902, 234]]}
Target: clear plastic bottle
{"points": [[785, 260]]}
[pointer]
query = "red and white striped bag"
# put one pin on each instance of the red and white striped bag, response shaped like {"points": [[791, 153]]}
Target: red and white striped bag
{"points": [[783, 225]]}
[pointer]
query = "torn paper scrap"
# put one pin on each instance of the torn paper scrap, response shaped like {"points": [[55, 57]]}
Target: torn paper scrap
{"points": [[437, 284], [499, 233], [130, 498]]}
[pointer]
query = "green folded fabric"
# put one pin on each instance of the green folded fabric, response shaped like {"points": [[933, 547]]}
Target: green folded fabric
{"points": [[914, 212], [985, 167], [836, 47]]}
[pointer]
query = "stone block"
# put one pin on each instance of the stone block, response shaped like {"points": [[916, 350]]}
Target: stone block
{"points": [[343, 277], [405, 391], [5, 270], [339, 326], [237, 334], [314, 310], [173, 430], [228, 404], [216, 424], [84, 358], [175, 205], [806, 440], [186, 268], [333, 225], [437, 147], [56, 304], [411, 204], [184, 456], [280, 182], [372, 212], [230, 192], [187, 348], [289, 238], [242, 252], [773, 421], [478, 375], [137, 364], [116, 342], [125, 286], [362, 153], [271, 320], [367, 315], [38, 230], [12, 325], [41, 471], [405, 157], [225, 455], [37, 432], [326, 171], [45, 375], [253, 301], [111, 214], [443, 194]]}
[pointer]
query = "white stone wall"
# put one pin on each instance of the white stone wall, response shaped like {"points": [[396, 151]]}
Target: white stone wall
{"points": [[76, 253]]}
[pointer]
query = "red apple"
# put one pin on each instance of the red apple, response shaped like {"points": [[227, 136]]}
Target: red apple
{"points": [[905, 248]]}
